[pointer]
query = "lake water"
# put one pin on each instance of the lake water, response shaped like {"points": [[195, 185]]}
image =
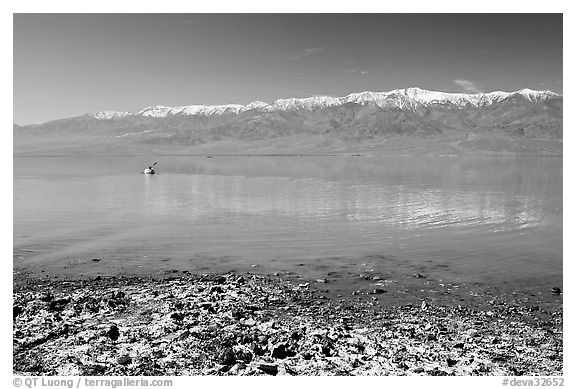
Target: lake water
{"points": [[465, 218]]}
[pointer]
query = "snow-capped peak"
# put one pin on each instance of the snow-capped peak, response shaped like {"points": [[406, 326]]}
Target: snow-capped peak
{"points": [[408, 98]]}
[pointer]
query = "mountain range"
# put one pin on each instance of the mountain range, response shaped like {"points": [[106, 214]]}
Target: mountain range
{"points": [[398, 120]]}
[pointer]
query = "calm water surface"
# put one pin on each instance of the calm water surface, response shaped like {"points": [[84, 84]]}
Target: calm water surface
{"points": [[469, 218]]}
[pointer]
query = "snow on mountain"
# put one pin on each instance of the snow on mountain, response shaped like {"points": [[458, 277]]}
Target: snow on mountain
{"points": [[108, 115], [409, 98]]}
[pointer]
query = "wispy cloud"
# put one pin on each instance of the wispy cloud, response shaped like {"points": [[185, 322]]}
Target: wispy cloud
{"points": [[307, 52], [354, 71], [468, 86]]}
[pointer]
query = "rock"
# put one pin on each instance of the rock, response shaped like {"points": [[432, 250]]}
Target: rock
{"points": [[95, 259], [16, 310], [418, 370], [501, 358], [451, 362], [437, 372], [226, 356], [214, 278], [268, 368], [257, 350], [459, 345], [208, 307], [431, 336], [377, 278], [124, 360], [242, 353], [556, 290], [58, 305], [327, 349], [322, 280], [113, 332], [234, 369], [379, 291], [281, 351], [94, 370], [419, 275], [178, 316], [47, 297]]}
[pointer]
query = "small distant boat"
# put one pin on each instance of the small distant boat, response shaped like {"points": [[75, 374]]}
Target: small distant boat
{"points": [[150, 169]]}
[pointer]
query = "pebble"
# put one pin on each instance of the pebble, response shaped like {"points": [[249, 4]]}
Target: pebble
{"points": [[379, 291], [16, 310], [124, 360], [226, 356], [556, 290], [280, 351], [268, 368], [113, 332], [178, 316]]}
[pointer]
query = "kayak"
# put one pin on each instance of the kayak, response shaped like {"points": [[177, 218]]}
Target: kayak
{"points": [[149, 171]]}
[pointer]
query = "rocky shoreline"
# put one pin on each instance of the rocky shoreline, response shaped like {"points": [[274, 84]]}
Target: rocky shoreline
{"points": [[249, 324]]}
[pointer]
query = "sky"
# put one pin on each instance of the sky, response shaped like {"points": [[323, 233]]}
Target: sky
{"points": [[66, 65]]}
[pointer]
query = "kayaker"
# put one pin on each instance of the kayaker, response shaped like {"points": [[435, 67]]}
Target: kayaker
{"points": [[149, 170]]}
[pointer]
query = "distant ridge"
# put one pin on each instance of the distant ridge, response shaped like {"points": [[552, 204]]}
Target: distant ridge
{"points": [[409, 98], [525, 121]]}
